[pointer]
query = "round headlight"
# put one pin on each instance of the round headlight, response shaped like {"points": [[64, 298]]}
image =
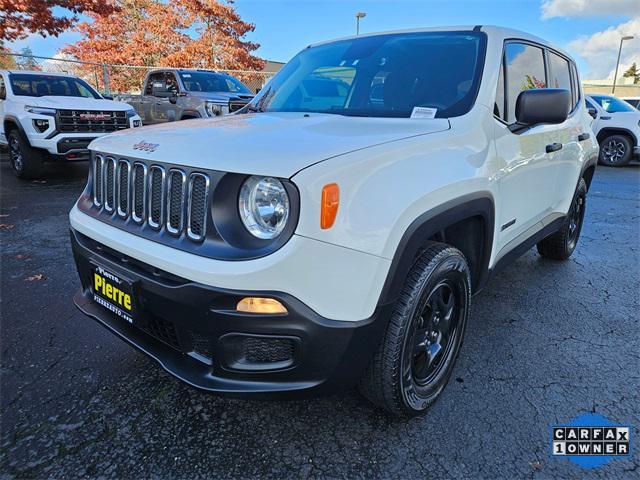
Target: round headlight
{"points": [[264, 206]]}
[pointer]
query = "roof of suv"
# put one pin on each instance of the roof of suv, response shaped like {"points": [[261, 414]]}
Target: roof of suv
{"points": [[492, 30], [186, 70], [37, 72]]}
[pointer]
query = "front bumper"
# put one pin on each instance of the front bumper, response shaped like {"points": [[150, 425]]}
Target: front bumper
{"points": [[195, 334]]}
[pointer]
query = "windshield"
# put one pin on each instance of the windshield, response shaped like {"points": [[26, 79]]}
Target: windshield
{"points": [[211, 82], [612, 104], [381, 76], [27, 85]]}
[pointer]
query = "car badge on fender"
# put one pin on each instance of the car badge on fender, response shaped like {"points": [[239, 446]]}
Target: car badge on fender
{"points": [[146, 147]]}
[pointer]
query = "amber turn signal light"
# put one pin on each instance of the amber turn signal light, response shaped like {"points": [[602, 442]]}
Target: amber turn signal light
{"points": [[260, 305], [330, 203]]}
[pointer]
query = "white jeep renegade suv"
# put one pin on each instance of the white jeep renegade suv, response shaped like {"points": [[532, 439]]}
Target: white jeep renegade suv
{"points": [[333, 231], [52, 116]]}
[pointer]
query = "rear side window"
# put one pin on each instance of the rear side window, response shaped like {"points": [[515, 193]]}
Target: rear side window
{"points": [[560, 75], [157, 77], [575, 92], [525, 71]]}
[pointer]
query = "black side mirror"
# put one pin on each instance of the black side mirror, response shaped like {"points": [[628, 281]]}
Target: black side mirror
{"points": [[107, 97], [593, 112], [542, 105]]}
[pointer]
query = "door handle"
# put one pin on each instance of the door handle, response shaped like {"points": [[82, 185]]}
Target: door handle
{"points": [[583, 136], [158, 103], [554, 147]]}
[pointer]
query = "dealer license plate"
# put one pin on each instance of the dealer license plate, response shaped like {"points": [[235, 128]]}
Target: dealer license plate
{"points": [[113, 292]]}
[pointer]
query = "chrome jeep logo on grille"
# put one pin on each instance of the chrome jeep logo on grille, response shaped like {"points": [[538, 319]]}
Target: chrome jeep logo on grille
{"points": [[95, 116], [146, 147]]}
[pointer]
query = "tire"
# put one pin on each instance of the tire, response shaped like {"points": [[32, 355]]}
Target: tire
{"points": [[25, 160], [561, 244], [615, 151], [423, 338]]}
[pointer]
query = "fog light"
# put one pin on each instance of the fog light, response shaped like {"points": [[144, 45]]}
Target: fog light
{"points": [[41, 124], [260, 305]]}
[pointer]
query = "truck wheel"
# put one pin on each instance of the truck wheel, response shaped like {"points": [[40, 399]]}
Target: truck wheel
{"points": [[25, 160], [421, 343], [615, 151], [561, 244]]}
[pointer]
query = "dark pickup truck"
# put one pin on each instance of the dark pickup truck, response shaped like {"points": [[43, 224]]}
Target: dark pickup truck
{"points": [[176, 94]]}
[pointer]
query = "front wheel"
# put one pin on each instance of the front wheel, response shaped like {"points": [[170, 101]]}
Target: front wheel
{"points": [[561, 244], [615, 151], [25, 160], [416, 356]]}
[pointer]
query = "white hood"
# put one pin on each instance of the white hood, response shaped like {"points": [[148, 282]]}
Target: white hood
{"points": [[76, 103], [277, 144]]}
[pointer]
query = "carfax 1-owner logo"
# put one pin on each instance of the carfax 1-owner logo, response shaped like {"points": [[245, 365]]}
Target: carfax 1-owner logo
{"points": [[591, 440]]}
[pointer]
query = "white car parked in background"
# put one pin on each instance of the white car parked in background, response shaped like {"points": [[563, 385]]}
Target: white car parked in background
{"points": [[50, 116], [633, 101], [334, 230], [617, 127]]}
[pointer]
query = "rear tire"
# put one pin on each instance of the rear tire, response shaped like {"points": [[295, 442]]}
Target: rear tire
{"points": [[561, 244], [25, 160], [421, 343], [615, 151]]}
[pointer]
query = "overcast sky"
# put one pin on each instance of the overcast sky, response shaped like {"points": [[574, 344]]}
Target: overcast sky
{"points": [[589, 29]]}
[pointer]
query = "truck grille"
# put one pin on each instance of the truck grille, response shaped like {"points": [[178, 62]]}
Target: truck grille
{"points": [[236, 104], [89, 121], [173, 200]]}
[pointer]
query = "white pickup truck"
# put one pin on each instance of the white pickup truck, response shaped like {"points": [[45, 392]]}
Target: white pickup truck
{"points": [[172, 94], [50, 116], [334, 231], [616, 125]]}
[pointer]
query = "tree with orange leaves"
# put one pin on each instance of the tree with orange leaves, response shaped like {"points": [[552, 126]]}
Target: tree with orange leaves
{"points": [[184, 33], [19, 18]]}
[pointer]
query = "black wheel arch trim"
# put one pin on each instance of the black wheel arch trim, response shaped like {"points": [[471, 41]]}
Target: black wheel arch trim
{"points": [[430, 224], [12, 120], [608, 131]]}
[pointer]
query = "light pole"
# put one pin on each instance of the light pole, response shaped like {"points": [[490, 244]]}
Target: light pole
{"points": [[359, 15], [615, 76]]}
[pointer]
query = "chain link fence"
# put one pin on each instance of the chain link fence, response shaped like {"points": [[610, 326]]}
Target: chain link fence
{"points": [[102, 75]]}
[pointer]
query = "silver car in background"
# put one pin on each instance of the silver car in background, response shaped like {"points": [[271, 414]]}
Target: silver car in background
{"points": [[176, 94]]}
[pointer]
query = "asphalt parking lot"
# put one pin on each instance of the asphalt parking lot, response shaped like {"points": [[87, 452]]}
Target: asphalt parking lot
{"points": [[546, 342]]}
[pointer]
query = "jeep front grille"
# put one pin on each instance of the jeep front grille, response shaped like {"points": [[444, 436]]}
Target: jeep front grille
{"points": [[174, 200], [198, 186], [110, 184]]}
